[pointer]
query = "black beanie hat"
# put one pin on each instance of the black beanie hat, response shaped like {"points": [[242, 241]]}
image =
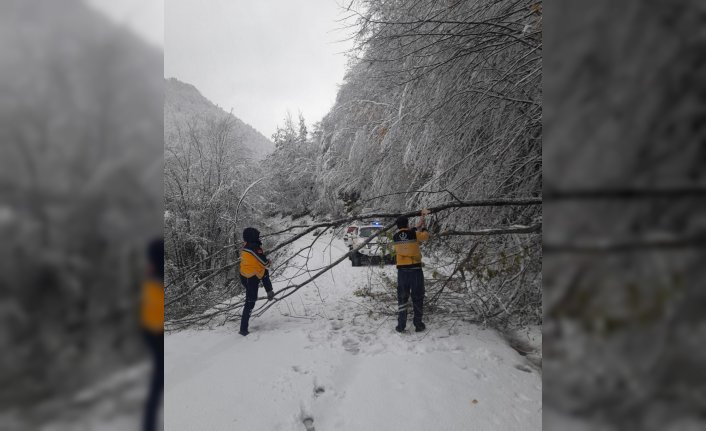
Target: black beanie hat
{"points": [[250, 234], [401, 222], [155, 254]]}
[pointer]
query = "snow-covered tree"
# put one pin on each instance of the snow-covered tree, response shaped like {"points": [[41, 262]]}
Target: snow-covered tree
{"points": [[291, 170]]}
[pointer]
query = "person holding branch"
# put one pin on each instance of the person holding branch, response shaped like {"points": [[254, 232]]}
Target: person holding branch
{"points": [[410, 277]]}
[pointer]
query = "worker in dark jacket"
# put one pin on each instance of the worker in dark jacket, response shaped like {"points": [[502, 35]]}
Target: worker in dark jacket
{"points": [[410, 277], [253, 268], [152, 322]]}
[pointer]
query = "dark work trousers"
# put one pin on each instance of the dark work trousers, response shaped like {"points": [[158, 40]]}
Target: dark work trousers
{"points": [[410, 281], [155, 343], [251, 285]]}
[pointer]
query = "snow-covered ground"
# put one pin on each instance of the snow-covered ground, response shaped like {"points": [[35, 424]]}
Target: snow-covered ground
{"points": [[114, 404], [319, 360]]}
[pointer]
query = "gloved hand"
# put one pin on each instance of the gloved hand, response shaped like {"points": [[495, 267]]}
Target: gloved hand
{"points": [[422, 224], [270, 295]]}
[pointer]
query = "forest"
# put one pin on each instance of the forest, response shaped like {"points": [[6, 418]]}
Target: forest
{"points": [[440, 109]]}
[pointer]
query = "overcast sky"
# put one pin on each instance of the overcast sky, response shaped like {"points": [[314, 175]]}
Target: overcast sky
{"points": [[258, 57], [144, 17]]}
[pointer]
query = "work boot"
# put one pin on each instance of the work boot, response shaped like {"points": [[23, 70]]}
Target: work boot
{"points": [[398, 328], [243, 332], [420, 327]]}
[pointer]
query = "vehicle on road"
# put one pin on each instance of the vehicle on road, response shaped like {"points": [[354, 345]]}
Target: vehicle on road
{"points": [[378, 250]]}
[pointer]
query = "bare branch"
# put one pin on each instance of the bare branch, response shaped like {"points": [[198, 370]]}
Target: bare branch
{"points": [[600, 247], [536, 228], [674, 192]]}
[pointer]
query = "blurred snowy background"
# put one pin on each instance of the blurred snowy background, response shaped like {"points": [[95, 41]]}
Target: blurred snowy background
{"points": [[81, 95], [624, 158]]}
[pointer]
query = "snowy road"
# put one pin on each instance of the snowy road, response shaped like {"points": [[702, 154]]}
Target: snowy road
{"points": [[319, 361], [115, 403]]}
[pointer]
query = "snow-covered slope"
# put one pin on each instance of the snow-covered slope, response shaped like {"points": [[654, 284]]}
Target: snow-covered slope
{"points": [[320, 361], [184, 103]]}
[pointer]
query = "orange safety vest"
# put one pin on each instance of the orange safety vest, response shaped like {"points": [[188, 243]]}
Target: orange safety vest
{"points": [[152, 306]]}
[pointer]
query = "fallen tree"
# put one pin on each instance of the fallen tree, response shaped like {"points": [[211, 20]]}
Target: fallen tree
{"points": [[227, 307]]}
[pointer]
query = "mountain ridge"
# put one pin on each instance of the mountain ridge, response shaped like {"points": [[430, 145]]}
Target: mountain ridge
{"points": [[182, 101]]}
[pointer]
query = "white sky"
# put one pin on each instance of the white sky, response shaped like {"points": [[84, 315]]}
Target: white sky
{"points": [[259, 57], [144, 17]]}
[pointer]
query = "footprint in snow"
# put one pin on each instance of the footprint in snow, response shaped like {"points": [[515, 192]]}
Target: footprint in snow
{"points": [[298, 369], [523, 367], [252, 336], [308, 424], [480, 375], [307, 419], [351, 346], [314, 336]]}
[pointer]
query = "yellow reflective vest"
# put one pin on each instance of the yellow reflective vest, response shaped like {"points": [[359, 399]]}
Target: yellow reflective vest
{"points": [[406, 242], [253, 262]]}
